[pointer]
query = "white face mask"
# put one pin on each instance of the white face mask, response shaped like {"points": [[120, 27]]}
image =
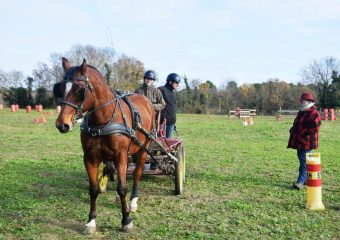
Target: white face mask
{"points": [[305, 104]]}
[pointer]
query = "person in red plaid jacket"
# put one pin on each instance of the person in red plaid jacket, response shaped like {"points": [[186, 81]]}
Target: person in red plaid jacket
{"points": [[304, 134]]}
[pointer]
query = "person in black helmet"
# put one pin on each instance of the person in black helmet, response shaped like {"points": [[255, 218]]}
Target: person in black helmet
{"points": [[154, 95], [148, 90], [169, 95]]}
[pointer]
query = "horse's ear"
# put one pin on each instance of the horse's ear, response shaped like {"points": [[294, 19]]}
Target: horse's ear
{"points": [[66, 64], [83, 67]]}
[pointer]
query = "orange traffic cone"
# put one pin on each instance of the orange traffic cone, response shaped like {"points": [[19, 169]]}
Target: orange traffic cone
{"points": [[43, 119]]}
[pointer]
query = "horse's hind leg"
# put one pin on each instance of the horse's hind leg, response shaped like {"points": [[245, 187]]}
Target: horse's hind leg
{"points": [[112, 173], [127, 223], [141, 157], [112, 170], [92, 172]]}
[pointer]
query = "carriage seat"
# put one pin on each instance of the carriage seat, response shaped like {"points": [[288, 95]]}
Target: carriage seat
{"points": [[167, 143]]}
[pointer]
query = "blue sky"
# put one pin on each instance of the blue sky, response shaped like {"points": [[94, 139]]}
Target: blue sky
{"points": [[246, 41]]}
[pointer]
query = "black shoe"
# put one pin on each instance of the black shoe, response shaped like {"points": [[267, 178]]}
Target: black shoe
{"points": [[297, 185]]}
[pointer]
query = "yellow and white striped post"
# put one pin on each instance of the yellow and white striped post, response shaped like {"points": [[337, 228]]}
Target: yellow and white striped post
{"points": [[314, 196]]}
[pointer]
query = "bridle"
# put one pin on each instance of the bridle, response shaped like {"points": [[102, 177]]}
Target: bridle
{"points": [[83, 78]]}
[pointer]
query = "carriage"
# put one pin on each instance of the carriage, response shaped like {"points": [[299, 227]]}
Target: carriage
{"points": [[167, 154], [117, 135]]}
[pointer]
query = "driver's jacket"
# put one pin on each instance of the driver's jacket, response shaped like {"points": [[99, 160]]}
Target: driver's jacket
{"points": [[154, 95]]}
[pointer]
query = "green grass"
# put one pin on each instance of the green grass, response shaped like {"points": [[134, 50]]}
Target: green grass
{"points": [[238, 184]]}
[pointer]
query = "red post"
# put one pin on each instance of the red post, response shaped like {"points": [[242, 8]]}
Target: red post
{"points": [[16, 107], [325, 113], [28, 108], [331, 112]]}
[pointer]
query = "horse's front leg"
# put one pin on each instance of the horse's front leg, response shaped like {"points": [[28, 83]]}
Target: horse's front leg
{"points": [[127, 223], [92, 172], [140, 160]]}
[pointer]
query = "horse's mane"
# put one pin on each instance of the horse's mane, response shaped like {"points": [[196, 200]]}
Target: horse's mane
{"points": [[93, 68]]}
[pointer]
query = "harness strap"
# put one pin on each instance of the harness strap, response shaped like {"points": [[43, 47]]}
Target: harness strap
{"points": [[118, 128], [134, 113], [135, 121], [113, 128], [102, 106], [108, 128], [62, 101]]}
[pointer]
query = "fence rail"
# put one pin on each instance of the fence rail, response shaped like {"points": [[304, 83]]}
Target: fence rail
{"points": [[242, 113]]}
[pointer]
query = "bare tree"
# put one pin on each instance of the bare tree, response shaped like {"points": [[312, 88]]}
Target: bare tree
{"points": [[48, 74], [3, 79], [56, 69], [320, 73], [230, 95], [43, 76], [96, 57], [13, 79]]}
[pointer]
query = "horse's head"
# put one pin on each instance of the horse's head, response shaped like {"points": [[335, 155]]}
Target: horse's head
{"points": [[74, 95]]}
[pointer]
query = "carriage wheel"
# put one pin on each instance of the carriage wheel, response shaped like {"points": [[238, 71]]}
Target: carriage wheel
{"points": [[102, 178], [180, 171]]}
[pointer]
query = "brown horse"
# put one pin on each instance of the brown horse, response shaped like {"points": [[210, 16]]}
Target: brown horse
{"points": [[110, 132]]}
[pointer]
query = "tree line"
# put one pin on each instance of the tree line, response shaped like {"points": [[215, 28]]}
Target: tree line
{"points": [[322, 77]]}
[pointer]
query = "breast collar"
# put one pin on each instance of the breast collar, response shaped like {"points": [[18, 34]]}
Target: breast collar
{"points": [[112, 127]]}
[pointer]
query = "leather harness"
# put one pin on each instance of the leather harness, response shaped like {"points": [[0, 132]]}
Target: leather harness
{"points": [[111, 127]]}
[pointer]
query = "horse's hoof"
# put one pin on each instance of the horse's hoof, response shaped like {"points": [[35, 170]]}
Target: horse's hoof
{"points": [[134, 205], [90, 227], [128, 227], [133, 209], [89, 230]]}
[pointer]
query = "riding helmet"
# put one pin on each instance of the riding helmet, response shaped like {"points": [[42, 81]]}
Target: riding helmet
{"points": [[173, 77], [150, 75]]}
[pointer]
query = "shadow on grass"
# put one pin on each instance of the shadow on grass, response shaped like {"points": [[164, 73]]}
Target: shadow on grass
{"points": [[75, 227]]}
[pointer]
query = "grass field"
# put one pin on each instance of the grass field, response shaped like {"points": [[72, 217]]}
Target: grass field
{"points": [[238, 184]]}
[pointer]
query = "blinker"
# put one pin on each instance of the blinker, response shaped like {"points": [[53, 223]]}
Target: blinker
{"points": [[57, 91]]}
